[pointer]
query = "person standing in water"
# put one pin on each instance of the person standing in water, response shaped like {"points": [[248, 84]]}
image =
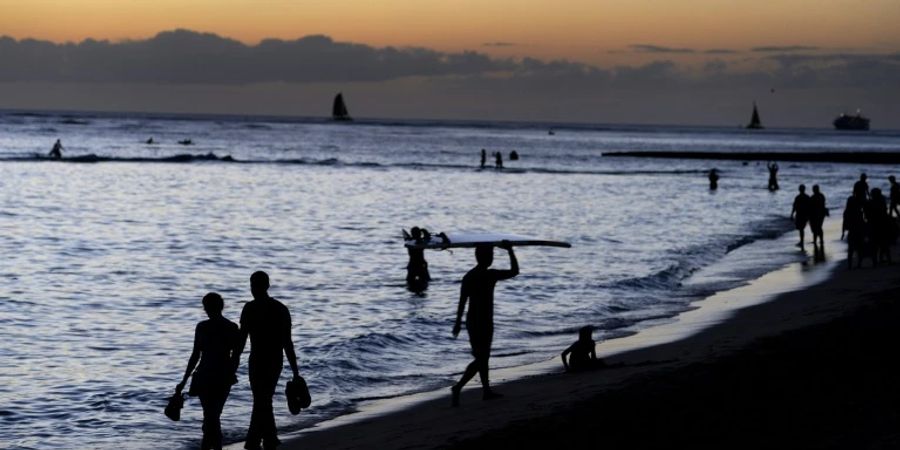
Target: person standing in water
{"points": [[713, 179], [417, 276], [773, 176], [478, 289], [861, 187], [483, 158], [215, 344], [268, 324], [56, 151], [800, 212], [817, 213], [498, 160]]}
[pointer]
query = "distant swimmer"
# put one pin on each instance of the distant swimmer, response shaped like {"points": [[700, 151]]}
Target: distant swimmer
{"points": [[483, 157], [895, 197], [56, 151], [498, 160], [773, 176], [513, 155], [713, 179], [582, 354], [800, 212], [149, 141], [817, 213], [478, 290], [417, 276]]}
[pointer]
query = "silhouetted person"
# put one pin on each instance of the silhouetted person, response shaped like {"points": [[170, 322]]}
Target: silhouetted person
{"points": [[56, 151], [861, 187], [800, 212], [583, 353], [817, 213], [478, 289], [855, 227], [150, 141], [513, 155], [498, 160], [483, 158], [713, 179], [895, 197], [773, 176], [215, 346], [417, 276], [268, 323], [881, 226]]}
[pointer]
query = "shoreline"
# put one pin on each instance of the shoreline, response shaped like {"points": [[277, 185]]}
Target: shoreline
{"points": [[832, 157], [720, 325]]}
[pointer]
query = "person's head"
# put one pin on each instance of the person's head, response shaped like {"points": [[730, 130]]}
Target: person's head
{"points": [[892, 179], [213, 304], [415, 232], [584, 333], [876, 193], [802, 188], [484, 254], [815, 188], [863, 177], [259, 284]]}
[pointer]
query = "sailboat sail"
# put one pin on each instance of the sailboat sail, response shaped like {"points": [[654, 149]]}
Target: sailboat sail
{"points": [[755, 123], [339, 110]]}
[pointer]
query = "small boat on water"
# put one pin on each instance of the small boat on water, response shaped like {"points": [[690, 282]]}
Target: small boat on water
{"points": [[848, 122], [754, 124], [339, 110]]}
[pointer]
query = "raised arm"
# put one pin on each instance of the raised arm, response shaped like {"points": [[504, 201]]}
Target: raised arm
{"points": [[513, 263], [192, 361], [463, 297]]}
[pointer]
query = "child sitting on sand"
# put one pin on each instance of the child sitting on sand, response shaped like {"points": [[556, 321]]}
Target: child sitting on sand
{"points": [[583, 356]]}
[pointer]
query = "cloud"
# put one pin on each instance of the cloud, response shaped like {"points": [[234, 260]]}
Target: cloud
{"points": [[649, 48], [784, 48], [184, 56], [499, 44], [720, 51]]}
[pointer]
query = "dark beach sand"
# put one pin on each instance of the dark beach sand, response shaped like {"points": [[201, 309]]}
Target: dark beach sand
{"points": [[813, 368]]}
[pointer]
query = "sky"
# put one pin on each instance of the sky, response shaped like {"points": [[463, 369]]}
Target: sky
{"points": [[643, 61]]}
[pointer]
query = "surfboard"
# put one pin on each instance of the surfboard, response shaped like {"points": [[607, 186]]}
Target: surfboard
{"points": [[472, 239]]}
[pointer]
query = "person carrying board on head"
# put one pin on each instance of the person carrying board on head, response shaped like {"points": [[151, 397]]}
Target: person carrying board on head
{"points": [[478, 290]]}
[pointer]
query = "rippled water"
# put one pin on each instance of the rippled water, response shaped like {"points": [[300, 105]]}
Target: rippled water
{"points": [[104, 264]]}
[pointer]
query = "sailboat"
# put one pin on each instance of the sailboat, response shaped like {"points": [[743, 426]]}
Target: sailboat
{"points": [[754, 124], [339, 110]]}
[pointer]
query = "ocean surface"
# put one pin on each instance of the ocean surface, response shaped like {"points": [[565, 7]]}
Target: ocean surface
{"points": [[106, 256]]}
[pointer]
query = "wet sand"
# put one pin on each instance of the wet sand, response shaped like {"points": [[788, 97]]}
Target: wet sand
{"points": [[810, 367]]}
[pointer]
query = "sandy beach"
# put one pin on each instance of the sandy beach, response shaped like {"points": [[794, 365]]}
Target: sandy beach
{"points": [[769, 364]]}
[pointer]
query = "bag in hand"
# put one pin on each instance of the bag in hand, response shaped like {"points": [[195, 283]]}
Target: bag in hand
{"points": [[297, 393]]}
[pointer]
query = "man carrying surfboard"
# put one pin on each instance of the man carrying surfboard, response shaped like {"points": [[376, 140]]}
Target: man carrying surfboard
{"points": [[478, 289]]}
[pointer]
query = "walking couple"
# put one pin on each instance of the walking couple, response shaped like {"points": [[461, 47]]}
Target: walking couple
{"points": [[218, 344]]}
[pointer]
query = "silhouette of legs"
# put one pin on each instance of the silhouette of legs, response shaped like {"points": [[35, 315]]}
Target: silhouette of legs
{"points": [[213, 402], [263, 379], [481, 350]]}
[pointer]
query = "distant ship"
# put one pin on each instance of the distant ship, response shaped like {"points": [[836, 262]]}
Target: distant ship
{"points": [[339, 110], [754, 124], [857, 122]]}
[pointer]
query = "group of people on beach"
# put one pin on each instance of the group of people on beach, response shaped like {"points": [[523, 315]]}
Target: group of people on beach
{"points": [[498, 158], [870, 222], [216, 355]]}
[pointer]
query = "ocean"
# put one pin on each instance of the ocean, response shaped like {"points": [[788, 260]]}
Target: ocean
{"points": [[107, 255]]}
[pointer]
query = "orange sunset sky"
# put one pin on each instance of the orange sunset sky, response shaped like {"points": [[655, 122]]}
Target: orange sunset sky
{"points": [[687, 61], [584, 30]]}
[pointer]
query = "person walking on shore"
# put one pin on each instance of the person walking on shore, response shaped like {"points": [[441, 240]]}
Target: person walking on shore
{"points": [[268, 324], [800, 212], [895, 197], [861, 187], [713, 179], [478, 289], [817, 213], [773, 176], [483, 158], [215, 345]]}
